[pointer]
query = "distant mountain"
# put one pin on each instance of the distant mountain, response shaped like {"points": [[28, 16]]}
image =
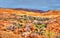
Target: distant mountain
{"points": [[41, 11]]}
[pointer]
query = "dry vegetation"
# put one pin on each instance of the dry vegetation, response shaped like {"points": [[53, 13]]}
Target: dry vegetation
{"points": [[52, 29]]}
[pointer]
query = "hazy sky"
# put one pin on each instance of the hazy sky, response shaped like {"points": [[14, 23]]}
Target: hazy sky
{"points": [[32, 4]]}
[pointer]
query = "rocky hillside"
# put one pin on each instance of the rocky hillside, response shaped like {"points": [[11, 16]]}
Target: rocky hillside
{"points": [[28, 23]]}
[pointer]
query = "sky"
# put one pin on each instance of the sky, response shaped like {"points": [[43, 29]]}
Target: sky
{"points": [[31, 4]]}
